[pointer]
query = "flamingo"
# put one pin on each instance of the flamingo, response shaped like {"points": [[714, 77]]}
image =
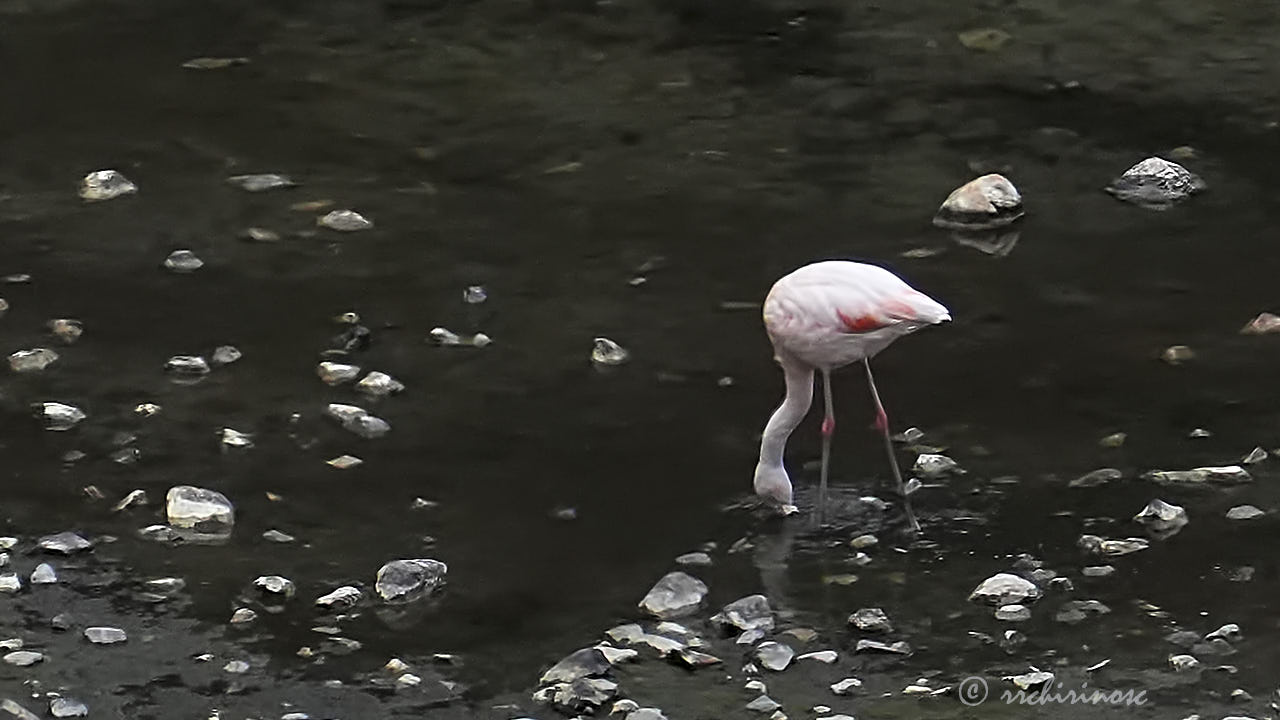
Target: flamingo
{"points": [[821, 317]]}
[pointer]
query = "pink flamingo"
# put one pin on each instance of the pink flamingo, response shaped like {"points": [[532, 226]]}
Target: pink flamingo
{"points": [[824, 316]]}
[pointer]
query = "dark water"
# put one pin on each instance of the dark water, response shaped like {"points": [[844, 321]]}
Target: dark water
{"points": [[735, 140]]}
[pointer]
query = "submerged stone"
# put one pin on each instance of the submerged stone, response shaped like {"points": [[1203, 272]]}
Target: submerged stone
{"points": [[379, 384], [183, 261], [1264, 324], [676, 594], [65, 707], [105, 635], [1244, 512], [261, 182], [358, 420], [984, 203], [407, 580], [932, 465], [343, 597], [1162, 517], [64, 543], [749, 613], [344, 221], [871, 620], [606, 352], [1156, 184], [44, 574], [332, 373], [33, 360], [1013, 613], [1005, 589], [1224, 475], [187, 365], [774, 656], [1095, 478], [226, 354], [58, 416], [105, 185], [23, 658], [587, 662], [1111, 547], [199, 509], [275, 585]]}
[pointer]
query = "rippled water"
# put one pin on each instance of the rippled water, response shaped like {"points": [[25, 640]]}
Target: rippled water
{"points": [[546, 150]]}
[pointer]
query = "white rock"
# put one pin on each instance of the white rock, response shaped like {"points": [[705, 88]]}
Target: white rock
{"points": [[984, 203]]}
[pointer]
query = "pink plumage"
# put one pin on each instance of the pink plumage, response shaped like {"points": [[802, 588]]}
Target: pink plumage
{"points": [[821, 317]]}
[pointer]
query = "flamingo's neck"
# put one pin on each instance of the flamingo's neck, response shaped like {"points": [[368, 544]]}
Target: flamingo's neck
{"points": [[794, 406]]}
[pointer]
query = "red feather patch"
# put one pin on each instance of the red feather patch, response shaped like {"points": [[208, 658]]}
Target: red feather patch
{"points": [[860, 324]]}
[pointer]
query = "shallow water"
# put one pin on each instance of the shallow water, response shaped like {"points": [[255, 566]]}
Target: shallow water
{"points": [[737, 141]]}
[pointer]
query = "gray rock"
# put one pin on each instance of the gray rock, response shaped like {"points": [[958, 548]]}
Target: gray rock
{"points": [[846, 686], [64, 707], [871, 620], [1221, 475], [243, 616], [1027, 681], [105, 185], [1013, 613], [583, 695], [226, 354], [932, 465], [1102, 476], [984, 203], [763, 704], [105, 635], [379, 384], [187, 365], [1156, 184], [1111, 547], [275, 585], [59, 416], [332, 373], [199, 509], [33, 360], [344, 221], [407, 580], [1005, 589], [694, 559], [749, 613], [1244, 512], [897, 648], [44, 575], [14, 710], [1255, 456], [674, 595], [343, 597], [692, 659], [646, 714], [276, 536], [1098, 571], [231, 439], [23, 658], [1183, 663], [1162, 517], [587, 662], [357, 420], [1230, 631], [261, 182], [615, 655], [183, 261], [10, 583], [774, 656], [826, 657], [64, 543]]}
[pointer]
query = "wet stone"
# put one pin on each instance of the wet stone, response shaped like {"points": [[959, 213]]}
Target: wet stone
{"points": [[64, 543], [33, 360], [774, 656], [474, 295], [105, 635], [243, 616], [984, 39], [846, 686], [1098, 571], [985, 203], [587, 662], [44, 574], [183, 261], [646, 714], [749, 613], [605, 352], [763, 704], [408, 580], [187, 365], [259, 235], [10, 583], [261, 182], [1005, 589], [345, 462], [1111, 547], [105, 185], [616, 655], [931, 465], [1156, 184], [58, 416], [135, 498], [1183, 663], [1244, 512], [343, 597], [1027, 681], [354, 339], [358, 420], [231, 438], [65, 707], [344, 221], [23, 658], [674, 595], [1264, 324], [214, 63], [199, 509], [1254, 457], [379, 384], [1230, 632], [584, 695], [1222, 475], [896, 648], [871, 620], [692, 659], [694, 559], [1098, 477], [275, 585], [226, 354], [826, 657], [1013, 613], [1162, 517], [332, 373]]}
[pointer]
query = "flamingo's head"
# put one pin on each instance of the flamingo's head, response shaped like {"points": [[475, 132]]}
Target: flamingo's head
{"points": [[772, 484]]}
